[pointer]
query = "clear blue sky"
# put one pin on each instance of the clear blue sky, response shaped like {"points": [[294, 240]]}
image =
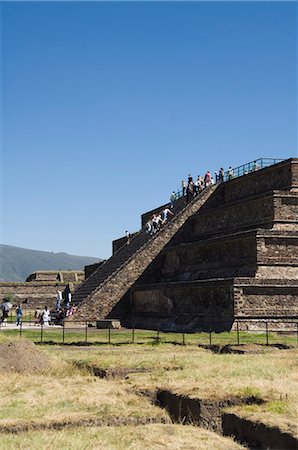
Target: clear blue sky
{"points": [[107, 106]]}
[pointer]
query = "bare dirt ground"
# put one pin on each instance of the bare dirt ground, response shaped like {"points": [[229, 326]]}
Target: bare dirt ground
{"points": [[22, 356]]}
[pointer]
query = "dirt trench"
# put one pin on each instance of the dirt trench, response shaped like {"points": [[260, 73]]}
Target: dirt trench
{"points": [[210, 414], [243, 349]]}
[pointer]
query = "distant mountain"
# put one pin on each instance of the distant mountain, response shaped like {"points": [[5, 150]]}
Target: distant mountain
{"points": [[17, 263]]}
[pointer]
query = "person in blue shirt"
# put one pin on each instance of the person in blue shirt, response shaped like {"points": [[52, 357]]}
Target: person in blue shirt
{"points": [[19, 312]]}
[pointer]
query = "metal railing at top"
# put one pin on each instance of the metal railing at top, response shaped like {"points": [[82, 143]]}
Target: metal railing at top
{"points": [[239, 171]]}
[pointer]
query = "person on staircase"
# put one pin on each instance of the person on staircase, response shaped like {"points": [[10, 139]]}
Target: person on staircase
{"points": [[127, 234], [183, 188], [207, 179], [165, 215], [189, 189], [173, 199], [149, 227], [221, 175]]}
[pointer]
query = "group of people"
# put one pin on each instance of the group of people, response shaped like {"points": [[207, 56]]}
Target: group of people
{"points": [[156, 222], [192, 188], [63, 308], [42, 317], [189, 190]]}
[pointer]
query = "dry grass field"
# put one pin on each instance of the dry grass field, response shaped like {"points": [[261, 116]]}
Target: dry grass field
{"points": [[64, 405], [152, 436]]}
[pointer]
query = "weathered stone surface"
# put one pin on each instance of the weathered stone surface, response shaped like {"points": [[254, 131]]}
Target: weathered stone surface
{"points": [[213, 304]]}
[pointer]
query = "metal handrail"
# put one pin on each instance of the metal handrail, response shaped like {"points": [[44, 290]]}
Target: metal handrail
{"points": [[240, 171]]}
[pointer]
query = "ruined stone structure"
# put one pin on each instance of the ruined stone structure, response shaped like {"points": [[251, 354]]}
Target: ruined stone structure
{"points": [[233, 256], [40, 288]]}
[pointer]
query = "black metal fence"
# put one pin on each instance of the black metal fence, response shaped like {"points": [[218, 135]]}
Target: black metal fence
{"points": [[265, 332]]}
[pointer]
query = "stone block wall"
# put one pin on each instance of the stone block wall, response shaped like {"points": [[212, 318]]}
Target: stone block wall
{"points": [[227, 256], [265, 254], [275, 177], [250, 213], [184, 306], [286, 209], [257, 298]]}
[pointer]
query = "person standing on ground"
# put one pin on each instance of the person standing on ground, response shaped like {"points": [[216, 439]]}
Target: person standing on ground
{"points": [[46, 315], [19, 312], [36, 317], [127, 234]]}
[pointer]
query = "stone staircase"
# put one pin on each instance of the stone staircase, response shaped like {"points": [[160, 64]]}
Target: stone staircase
{"points": [[99, 294]]}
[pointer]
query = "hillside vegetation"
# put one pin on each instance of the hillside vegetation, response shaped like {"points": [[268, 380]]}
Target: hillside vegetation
{"points": [[17, 263]]}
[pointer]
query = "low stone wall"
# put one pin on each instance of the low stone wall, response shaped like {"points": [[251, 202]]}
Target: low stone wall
{"points": [[54, 276], [33, 294]]}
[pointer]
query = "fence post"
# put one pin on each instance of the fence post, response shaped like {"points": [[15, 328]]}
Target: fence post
{"points": [[267, 334], [109, 334], [183, 338], [41, 332], [210, 337], [133, 333], [157, 335], [297, 333], [63, 332], [20, 328], [238, 337], [86, 332]]}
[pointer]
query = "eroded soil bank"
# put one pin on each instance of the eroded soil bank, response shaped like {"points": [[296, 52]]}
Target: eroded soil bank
{"points": [[257, 435], [211, 415]]}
